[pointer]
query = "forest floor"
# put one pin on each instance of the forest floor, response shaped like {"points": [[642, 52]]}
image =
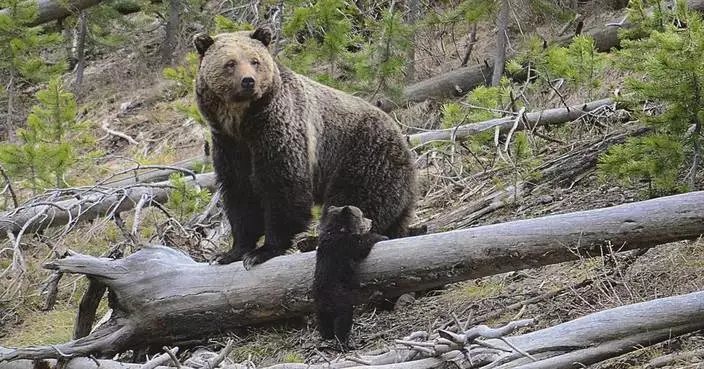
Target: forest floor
{"points": [[136, 101]]}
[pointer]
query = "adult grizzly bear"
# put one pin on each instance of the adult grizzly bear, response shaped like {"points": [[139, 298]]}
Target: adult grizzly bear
{"points": [[282, 142]]}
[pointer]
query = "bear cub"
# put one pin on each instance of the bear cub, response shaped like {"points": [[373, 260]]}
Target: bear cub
{"points": [[344, 241]]}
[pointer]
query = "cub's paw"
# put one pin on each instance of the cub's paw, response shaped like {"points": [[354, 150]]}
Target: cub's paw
{"points": [[228, 257], [259, 255], [417, 230]]}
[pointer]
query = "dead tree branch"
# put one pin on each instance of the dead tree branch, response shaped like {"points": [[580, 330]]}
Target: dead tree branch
{"points": [[89, 203]]}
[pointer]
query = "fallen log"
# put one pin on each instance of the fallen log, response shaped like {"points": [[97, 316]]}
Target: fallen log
{"points": [[92, 203], [140, 174], [50, 10], [610, 333], [532, 119], [161, 296], [462, 80], [576, 343]]}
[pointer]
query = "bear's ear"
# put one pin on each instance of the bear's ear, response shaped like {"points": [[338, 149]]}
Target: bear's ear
{"points": [[203, 42], [346, 211], [263, 34]]}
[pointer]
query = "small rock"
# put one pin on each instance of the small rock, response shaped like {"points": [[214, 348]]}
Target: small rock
{"points": [[127, 107], [545, 199], [613, 189], [404, 301]]}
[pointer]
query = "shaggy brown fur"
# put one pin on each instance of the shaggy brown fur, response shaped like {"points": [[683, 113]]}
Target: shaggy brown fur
{"points": [[344, 241], [282, 142]]}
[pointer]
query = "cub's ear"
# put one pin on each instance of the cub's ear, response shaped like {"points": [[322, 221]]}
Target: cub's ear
{"points": [[203, 42], [262, 34]]}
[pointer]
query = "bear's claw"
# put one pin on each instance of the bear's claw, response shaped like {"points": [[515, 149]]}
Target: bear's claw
{"points": [[228, 257], [258, 256]]}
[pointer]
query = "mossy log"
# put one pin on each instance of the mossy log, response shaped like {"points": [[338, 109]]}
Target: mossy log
{"points": [[161, 296]]}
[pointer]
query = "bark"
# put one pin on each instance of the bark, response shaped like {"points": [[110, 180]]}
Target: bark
{"points": [[81, 33], [500, 56], [413, 13], [532, 119], [10, 98], [87, 205], [171, 32], [460, 81], [161, 296]]}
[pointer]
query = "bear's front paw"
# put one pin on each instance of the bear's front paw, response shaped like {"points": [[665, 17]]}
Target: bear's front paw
{"points": [[228, 257], [259, 255]]}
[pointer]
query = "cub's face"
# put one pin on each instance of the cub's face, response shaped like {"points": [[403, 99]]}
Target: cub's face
{"points": [[237, 67], [345, 219]]}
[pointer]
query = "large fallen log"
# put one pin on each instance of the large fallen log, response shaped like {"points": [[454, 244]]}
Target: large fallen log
{"points": [[89, 204], [161, 296], [576, 343], [462, 80]]}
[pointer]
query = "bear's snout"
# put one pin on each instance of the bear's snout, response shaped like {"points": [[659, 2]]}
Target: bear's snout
{"points": [[248, 83]]}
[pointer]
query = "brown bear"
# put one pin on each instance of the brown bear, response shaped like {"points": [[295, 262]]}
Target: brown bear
{"points": [[282, 142], [344, 241]]}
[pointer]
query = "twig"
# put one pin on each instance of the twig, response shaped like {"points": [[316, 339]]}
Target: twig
{"points": [[9, 185], [159, 360], [519, 116], [173, 357], [138, 217], [673, 358], [472, 41], [222, 355], [129, 139]]}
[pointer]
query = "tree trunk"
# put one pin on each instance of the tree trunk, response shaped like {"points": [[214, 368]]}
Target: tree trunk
{"points": [[81, 32], [94, 202], [413, 10], [500, 56], [10, 101], [532, 119], [161, 296], [171, 32], [472, 42], [50, 10]]}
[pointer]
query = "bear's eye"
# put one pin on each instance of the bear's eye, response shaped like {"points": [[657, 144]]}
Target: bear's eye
{"points": [[255, 62], [230, 64]]}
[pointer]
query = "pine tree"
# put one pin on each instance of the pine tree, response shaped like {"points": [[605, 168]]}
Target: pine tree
{"points": [[19, 49], [666, 69], [49, 145]]}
